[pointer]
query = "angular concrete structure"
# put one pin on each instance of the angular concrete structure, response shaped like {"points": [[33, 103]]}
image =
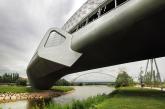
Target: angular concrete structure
{"points": [[101, 33]]}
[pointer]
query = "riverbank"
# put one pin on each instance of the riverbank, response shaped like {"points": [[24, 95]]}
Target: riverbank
{"points": [[125, 98], [134, 98], [14, 93]]}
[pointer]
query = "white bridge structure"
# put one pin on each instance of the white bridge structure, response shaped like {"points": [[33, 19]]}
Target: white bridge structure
{"points": [[101, 33]]}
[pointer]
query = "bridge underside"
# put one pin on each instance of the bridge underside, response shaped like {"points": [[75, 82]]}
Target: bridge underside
{"points": [[144, 39]]}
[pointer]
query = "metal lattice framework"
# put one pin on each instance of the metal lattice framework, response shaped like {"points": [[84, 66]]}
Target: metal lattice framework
{"points": [[83, 11]]}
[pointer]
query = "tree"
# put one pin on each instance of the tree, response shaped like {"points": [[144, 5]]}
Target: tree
{"points": [[62, 82], [148, 78], [157, 79], [141, 77], [123, 79], [9, 77]]}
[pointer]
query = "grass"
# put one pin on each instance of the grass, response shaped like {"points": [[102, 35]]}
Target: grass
{"points": [[23, 89], [15, 89], [134, 98], [62, 88], [89, 103], [122, 98]]}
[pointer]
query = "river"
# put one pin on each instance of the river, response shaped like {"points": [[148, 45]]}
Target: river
{"points": [[80, 92]]}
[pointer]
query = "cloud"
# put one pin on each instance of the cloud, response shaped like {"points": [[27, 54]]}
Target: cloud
{"points": [[22, 26]]}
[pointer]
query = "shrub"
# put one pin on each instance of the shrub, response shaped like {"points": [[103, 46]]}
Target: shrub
{"points": [[21, 82]]}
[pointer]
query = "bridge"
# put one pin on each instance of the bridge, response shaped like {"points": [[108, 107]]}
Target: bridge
{"points": [[101, 33], [106, 74]]}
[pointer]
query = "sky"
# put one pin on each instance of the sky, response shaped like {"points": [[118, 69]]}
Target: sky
{"points": [[23, 23]]}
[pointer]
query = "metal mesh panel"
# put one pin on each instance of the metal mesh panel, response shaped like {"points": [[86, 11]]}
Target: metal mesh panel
{"points": [[84, 10]]}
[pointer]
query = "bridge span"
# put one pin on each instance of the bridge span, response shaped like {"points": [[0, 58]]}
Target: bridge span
{"points": [[101, 33]]}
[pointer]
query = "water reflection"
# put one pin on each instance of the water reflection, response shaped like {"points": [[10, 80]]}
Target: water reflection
{"points": [[15, 105], [83, 92]]}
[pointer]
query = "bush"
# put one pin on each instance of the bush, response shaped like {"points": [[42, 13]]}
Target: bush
{"points": [[21, 82]]}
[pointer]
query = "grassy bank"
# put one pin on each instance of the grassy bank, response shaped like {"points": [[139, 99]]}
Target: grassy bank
{"points": [[23, 89], [89, 103], [124, 98], [62, 88], [134, 98]]}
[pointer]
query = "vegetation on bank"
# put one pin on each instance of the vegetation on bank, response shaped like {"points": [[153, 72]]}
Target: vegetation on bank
{"points": [[15, 89], [124, 98], [134, 98], [62, 88], [89, 103], [149, 78], [23, 89]]}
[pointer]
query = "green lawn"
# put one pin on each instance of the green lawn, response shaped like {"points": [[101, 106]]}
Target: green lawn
{"points": [[134, 98], [122, 98], [15, 89], [23, 89]]}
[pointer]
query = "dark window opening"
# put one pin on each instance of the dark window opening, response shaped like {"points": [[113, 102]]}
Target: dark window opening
{"points": [[108, 7], [121, 1], [99, 13], [93, 17], [103, 10]]}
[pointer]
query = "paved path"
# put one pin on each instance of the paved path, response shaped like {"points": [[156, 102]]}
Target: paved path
{"points": [[156, 88]]}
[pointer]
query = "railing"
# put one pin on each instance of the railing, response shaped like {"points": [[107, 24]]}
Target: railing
{"points": [[98, 12]]}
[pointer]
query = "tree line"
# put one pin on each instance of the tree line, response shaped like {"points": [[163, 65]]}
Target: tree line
{"points": [[12, 78], [145, 79], [9, 78]]}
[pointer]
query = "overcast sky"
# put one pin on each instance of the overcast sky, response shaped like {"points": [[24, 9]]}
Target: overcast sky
{"points": [[23, 23]]}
